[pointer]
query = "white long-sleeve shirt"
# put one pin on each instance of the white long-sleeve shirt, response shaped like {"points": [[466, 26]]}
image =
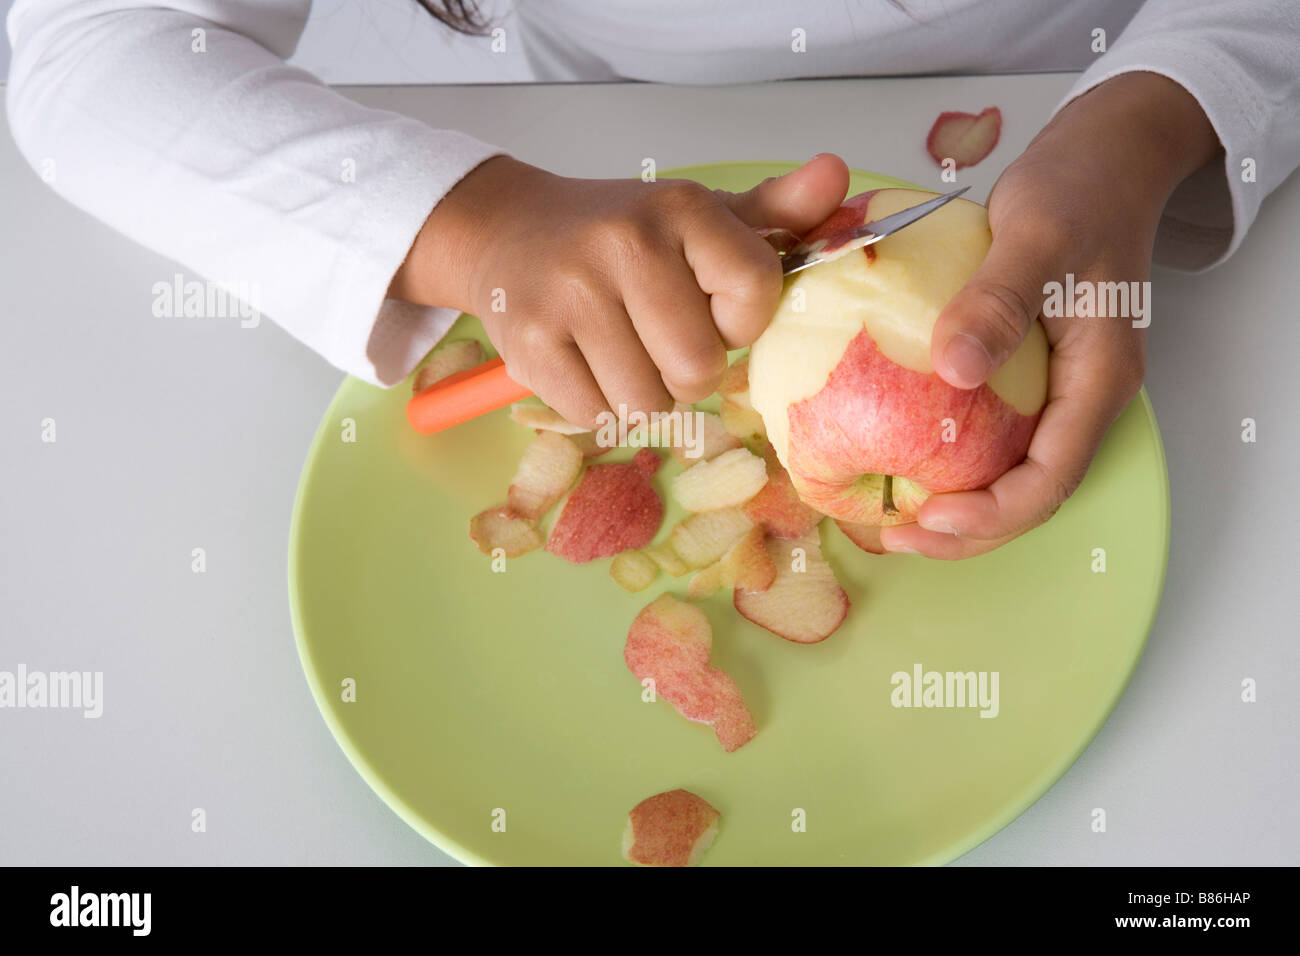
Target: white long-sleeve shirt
{"points": [[180, 125]]}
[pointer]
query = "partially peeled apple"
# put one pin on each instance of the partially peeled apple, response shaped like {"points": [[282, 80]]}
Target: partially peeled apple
{"points": [[843, 381]]}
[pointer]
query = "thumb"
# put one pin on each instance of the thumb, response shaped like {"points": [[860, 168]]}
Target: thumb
{"points": [[987, 320], [798, 201]]}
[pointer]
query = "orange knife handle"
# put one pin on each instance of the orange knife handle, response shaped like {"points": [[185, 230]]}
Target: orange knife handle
{"points": [[465, 395]]}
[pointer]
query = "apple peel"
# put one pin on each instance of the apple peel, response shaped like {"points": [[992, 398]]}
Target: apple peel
{"points": [[450, 359], [711, 439], [805, 603], [670, 642], [726, 481], [865, 536], [670, 829], [505, 529], [666, 559], [701, 539], [543, 418], [546, 471], [777, 508], [633, 570], [614, 508], [965, 138]]}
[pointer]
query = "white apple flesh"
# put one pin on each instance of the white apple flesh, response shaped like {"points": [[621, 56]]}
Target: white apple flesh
{"points": [[843, 380]]}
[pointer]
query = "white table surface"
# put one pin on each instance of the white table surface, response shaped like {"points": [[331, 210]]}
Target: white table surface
{"points": [[174, 434]]}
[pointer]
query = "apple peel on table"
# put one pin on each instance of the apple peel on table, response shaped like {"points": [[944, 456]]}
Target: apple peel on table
{"points": [[709, 439], [842, 377], [701, 539], [504, 530], [965, 138], [670, 829], [777, 508], [447, 360], [670, 642], [805, 602], [546, 471], [737, 412], [614, 508], [730, 479], [666, 559], [865, 536], [543, 418], [747, 566], [633, 570]]}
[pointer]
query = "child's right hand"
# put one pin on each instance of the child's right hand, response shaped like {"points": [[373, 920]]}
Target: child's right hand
{"points": [[607, 293]]}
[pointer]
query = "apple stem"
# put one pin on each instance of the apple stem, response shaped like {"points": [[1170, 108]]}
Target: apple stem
{"points": [[887, 496]]}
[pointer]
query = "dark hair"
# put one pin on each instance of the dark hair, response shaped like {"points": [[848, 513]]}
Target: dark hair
{"points": [[463, 16]]}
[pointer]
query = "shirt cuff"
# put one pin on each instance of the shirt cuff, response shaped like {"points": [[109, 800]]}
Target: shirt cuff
{"points": [[1209, 213], [377, 339]]}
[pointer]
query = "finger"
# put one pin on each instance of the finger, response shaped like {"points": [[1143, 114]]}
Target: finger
{"points": [[672, 317], [913, 539], [988, 319], [1072, 427], [626, 374], [798, 201], [738, 272], [557, 373]]}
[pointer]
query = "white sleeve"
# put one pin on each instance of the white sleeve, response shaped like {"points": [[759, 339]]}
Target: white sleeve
{"points": [[181, 126], [1240, 60]]}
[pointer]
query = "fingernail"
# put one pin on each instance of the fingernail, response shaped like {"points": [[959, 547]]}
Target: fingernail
{"points": [[968, 358], [904, 549], [936, 525]]}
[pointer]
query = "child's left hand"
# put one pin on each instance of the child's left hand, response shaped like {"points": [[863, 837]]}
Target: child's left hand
{"points": [[1084, 198]]}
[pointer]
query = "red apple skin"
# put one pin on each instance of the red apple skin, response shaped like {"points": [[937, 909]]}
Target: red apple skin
{"points": [[874, 417], [865, 536], [838, 228], [666, 829], [671, 642]]}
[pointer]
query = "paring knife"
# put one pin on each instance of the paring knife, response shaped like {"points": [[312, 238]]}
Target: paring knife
{"points": [[477, 391], [832, 246]]}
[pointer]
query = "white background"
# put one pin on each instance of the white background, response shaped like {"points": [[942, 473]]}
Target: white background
{"points": [[175, 434]]}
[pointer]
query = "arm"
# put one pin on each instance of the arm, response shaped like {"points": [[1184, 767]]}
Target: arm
{"points": [[1145, 157], [1239, 62], [207, 148]]}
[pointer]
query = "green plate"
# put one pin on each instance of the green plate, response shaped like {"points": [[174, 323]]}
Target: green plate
{"points": [[493, 711]]}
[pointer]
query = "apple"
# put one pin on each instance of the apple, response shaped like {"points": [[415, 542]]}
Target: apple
{"points": [[777, 508], [843, 380]]}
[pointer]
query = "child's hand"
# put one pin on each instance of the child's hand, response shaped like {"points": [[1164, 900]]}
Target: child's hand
{"points": [[607, 293], [1084, 198]]}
